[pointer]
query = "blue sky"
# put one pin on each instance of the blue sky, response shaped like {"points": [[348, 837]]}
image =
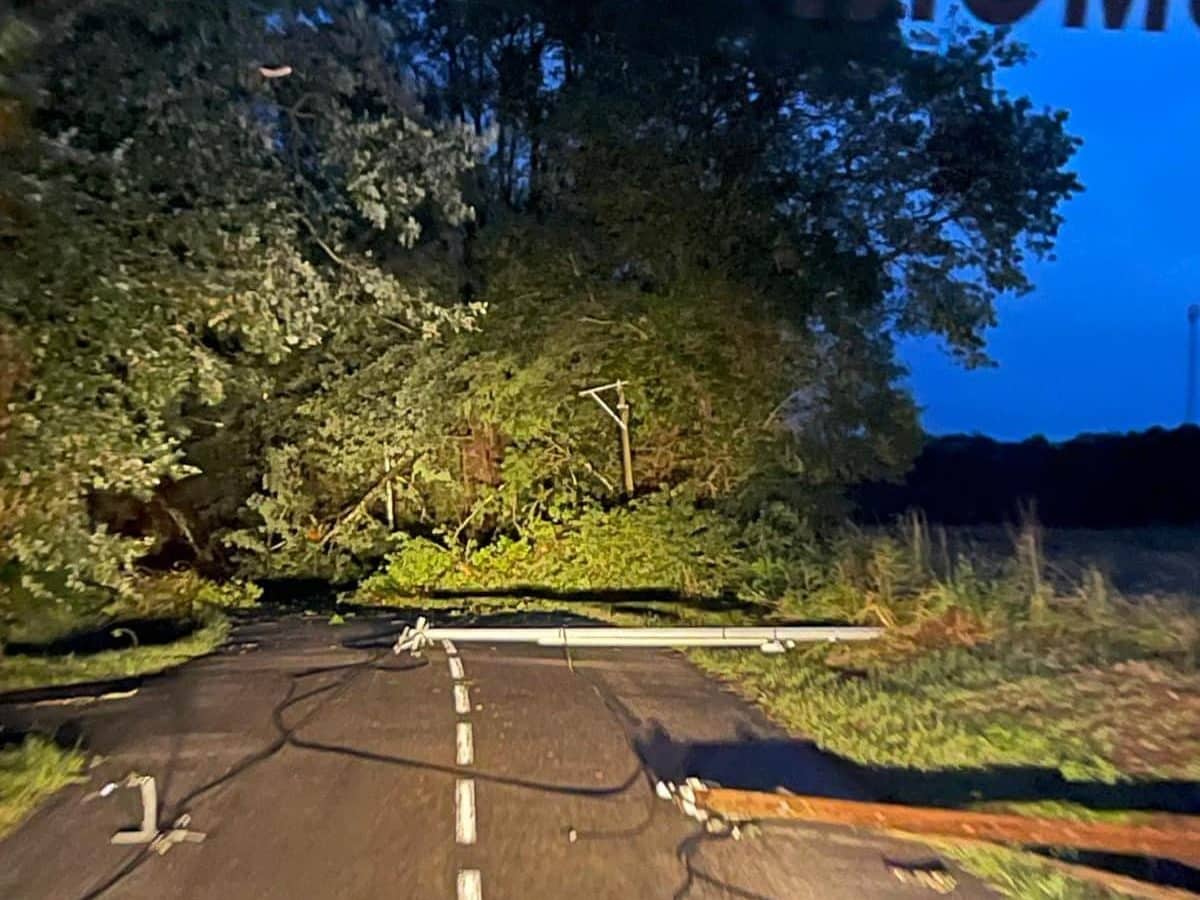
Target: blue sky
{"points": [[1100, 344]]}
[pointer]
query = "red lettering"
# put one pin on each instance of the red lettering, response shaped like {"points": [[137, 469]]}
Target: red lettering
{"points": [[1002, 12], [1116, 13]]}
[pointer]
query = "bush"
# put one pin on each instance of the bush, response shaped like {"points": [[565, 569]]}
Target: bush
{"points": [[660, 543]]}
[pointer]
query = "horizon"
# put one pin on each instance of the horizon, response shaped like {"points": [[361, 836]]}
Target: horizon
{"points": [[1080, 436]]}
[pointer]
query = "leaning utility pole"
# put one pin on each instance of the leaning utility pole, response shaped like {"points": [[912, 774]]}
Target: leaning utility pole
{"points": [[621, 417], [391, 491]]}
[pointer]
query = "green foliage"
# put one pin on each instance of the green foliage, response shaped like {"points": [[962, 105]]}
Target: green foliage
{"points": [[741, 246], [488, 436], [845, 172], [184, 596], [658, 544], [20, 672], [235, 593], [254, 307], [188, 240], [30, 773]]}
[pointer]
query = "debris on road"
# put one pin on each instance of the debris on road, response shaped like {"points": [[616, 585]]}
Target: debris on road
{"points": [[932, 877], [148, 832]]}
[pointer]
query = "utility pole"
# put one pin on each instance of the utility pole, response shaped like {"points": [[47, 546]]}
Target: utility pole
{"points": [[626, 449], [391, 491], [621, 417], [1193, 318]]}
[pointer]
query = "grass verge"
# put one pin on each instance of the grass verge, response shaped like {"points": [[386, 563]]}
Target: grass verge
{"points": [[975, 708], [1025, 876], [22, 672], [31, 772]]}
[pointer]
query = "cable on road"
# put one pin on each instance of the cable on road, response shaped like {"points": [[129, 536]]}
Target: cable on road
{"points": [[686, 849], [626, 722], [587, 792], [289, 700], [288, 737]]}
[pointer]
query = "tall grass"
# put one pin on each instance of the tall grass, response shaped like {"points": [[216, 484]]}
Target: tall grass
{"points": [[914, 572]]}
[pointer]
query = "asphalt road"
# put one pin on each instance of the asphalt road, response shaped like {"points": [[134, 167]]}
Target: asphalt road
{"points": [[320, 766]]}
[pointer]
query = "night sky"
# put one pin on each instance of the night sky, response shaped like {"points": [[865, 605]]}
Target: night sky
{"points": [[1101, 342]]}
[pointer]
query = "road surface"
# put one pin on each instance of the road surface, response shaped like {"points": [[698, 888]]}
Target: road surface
{"points": [[321, 766]]}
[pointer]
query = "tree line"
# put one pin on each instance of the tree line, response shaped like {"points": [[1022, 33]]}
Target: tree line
{"points": [[1092, 481]]}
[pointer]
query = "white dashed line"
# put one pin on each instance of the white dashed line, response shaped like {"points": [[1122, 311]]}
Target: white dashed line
{"points": [[469, 885], [464, 745], [462, 700], [464, 811]]}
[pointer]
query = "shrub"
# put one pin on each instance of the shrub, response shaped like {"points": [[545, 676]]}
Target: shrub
{"points": [[658, 543]]}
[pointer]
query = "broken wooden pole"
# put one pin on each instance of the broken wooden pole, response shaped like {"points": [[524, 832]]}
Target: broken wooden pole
{"points": [[1162, 836]]}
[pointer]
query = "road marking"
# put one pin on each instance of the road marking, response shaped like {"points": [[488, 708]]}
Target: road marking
{"points": [[462, 700], [469, 885], [464, 744], [464, 811]]}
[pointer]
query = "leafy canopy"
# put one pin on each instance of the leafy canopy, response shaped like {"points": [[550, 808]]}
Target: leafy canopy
{"points": [[252, 304]]}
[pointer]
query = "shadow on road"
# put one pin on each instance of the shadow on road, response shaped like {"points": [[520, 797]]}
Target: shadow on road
{"points": [[800, 766]]}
